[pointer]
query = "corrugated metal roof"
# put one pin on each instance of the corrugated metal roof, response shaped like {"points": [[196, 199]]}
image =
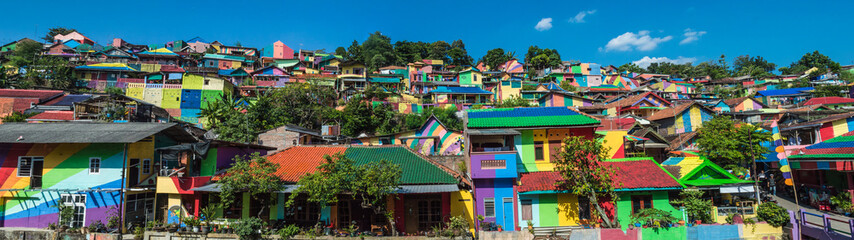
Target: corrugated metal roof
{"points": [[493, 132], [629, 174], [428, 188], [784, 92], [527, 117], [415, 169], [85, 132], [298, 161], [459, 90]]}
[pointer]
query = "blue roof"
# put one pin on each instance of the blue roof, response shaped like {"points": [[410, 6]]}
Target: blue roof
{"points": [[523, 112], [553, 86], [783, 92], [225, 72], [71, 43], [459, 90], [384, 80]]}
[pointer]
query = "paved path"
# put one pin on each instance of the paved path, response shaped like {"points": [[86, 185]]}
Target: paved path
{"points": [[788, 204]]}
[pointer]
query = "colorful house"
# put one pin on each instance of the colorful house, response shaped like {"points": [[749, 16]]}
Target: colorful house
{"points": [[95, 168], [432, 138], [277, 51], [643, 105], [824, 169], [686, 117], [19, 100], [819, 130], [471, 78], [564, 99], [461, 95], [788, 96], [429, 193], [184, 99], [507, 141], [639, 182], [718, 183], [102, 75], [831, 102]]}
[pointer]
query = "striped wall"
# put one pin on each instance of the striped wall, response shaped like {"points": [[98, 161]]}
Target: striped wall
{"points": [[689, 120], [183, 101], [66, 171], [560, 100], [747, 105], [497, 189], [449, 142], [524, 145], [836, 128], [550, 210]]}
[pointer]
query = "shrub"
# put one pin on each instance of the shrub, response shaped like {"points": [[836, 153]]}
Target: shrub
{"points": [[247, 228], [653, 217], [772, 213], [288, 231], [695, 206]]}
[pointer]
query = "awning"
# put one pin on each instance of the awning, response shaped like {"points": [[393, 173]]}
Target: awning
{"points": [[492, 132], [737, 189]]}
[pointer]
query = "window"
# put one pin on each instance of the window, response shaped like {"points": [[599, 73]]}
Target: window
{"points": [[583, 207], [146, 166], [429, 214], [207, 82], [94, 165], [527, 210], [78, 203], [538, 150], [25, 166], [640, 202], [489, 207], [554, 148]]}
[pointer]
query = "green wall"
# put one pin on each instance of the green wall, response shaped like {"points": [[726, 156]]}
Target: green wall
{"points": [[660, 200], [208, 167], [674, 233]]}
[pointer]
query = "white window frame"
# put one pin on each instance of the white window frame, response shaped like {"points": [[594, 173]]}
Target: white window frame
{"points": [[145, 170], [31, 159], [98, 170], [74, 202], [492, 200]]}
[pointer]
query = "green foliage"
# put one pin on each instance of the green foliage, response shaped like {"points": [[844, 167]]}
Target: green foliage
{"points": [[209, 213], [113, 218], [56, 31], [541, 58], [496, 57], [772, 213], [254, 175], [65, 214], [17, 117], [653, 217], [724, 143], [26, 53], [247, 228], [377, 51], [830, 91], [288, 231], [728, 93], [410, 52], [341, 51], [456, 227], [730, 218], [515, 101], [755, 66], [96, 226], [812, 60], [695, 206], [567, 86], [50, 72], [630, 67], [579, 162], [191, 221], [458, 55], [842, 202], [439, 51], [114, 91]]}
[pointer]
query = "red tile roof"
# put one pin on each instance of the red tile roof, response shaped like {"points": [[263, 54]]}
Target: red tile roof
{"points": [[42, 95], [828, 100], [53, 115], [300, 160], [629, 174]]}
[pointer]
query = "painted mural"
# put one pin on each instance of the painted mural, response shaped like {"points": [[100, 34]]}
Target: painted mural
{"points": [[433, 138], [836, 128], [85, 176], [556, 99]]}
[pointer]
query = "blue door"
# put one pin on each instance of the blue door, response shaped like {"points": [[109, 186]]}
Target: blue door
{"points": [[507, 210]]}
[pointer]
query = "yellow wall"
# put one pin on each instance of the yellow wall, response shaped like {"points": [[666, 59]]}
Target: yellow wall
{"points": [[344, 70], [462, 205], [165, 185], [761, 231], [567, 213], [143, 149]]}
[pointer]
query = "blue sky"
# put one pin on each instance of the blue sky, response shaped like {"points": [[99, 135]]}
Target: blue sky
{"points": [[610, 32]]}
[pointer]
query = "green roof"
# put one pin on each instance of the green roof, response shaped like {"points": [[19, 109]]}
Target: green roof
{"points": [[526, 117], [836, 155], [710, 174], [415, 169]]}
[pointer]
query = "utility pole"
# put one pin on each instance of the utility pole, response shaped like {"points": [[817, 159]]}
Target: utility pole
{"points": [[753, 162]]}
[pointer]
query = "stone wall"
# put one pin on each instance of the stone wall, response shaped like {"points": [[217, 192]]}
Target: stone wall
{"points": [[42, 234]]}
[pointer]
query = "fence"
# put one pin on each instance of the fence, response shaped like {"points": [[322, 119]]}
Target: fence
{"points": [[820, 226]]}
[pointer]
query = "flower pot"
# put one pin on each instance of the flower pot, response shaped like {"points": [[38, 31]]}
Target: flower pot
{"points": [[196, 229], [637, 225], [205, 229], [681, 222], [697, 222]]}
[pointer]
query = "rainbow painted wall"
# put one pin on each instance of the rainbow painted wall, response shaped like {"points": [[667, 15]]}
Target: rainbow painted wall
{"points": [[66, 171], [563, 100], [687, 121], [183, 101], [836, 128], [444, 141]]}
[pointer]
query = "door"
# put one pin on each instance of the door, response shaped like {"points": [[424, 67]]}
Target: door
{"points": [[36, 178], [507, 212], [133, 172]]}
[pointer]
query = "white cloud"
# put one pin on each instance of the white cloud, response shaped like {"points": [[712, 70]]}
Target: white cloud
{"points": [[640, 41], [645, 61], [579, 18], [544, 24], [691, 36]]}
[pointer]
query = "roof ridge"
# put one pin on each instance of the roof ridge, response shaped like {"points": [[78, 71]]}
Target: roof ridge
{"points": [[456, 175]]}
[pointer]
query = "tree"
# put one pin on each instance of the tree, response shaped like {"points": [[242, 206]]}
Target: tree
{"points": [[354, 52], [332, 178], [580, 162], [630, 67], [515, 101], [377, 45], [458, 55], [496, 57], [772, 213], [341, 51], [409, 52], [439, 51], [542, 58], [56, 31], [238, 44], [812, 60], [725, 143], [51, 72], [754, 66], [830, 91], [17, 117], [25, 53], [567, 86], [254, 175], [448, 117], [695, 206], [377, 181]]}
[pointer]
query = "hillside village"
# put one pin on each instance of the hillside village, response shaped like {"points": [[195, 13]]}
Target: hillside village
{"points": [[152, 134]]}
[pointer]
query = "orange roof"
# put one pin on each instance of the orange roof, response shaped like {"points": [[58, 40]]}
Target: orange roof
{"points": [[298, 161]]}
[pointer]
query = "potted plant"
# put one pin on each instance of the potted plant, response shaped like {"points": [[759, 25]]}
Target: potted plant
{"points": [[95, 226], [172, 228], [138, 233], [51, 226], [652, 217], [530, 226], [192, 223]]}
